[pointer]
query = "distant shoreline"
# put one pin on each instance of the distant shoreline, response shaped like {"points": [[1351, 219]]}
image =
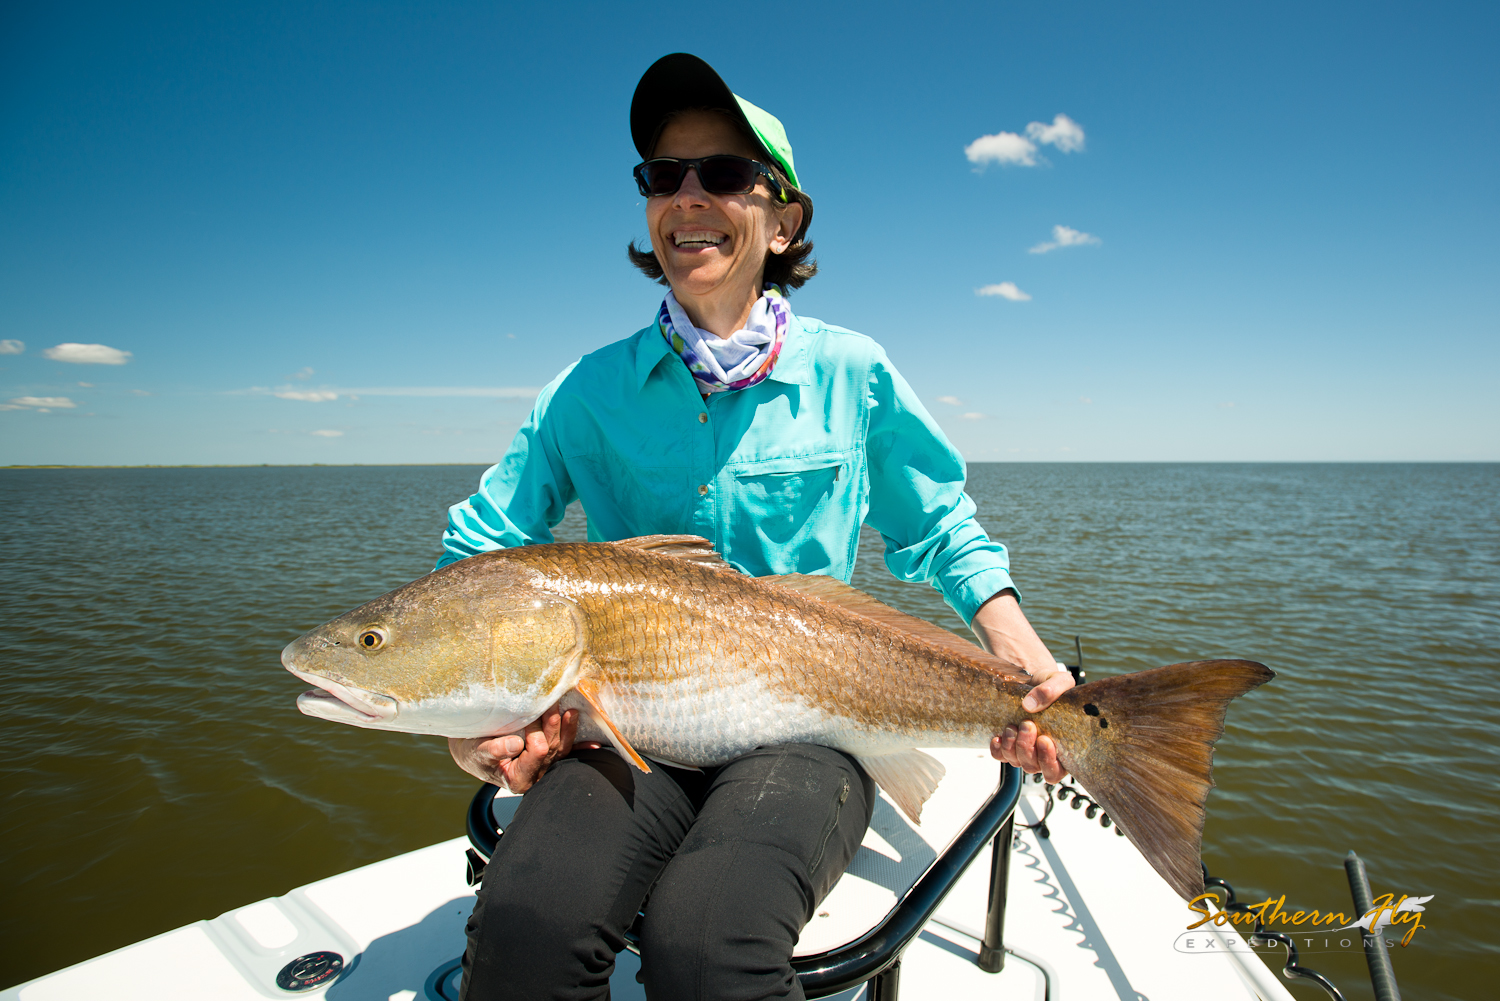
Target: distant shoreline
{"points": [[986, 462], [255, 465]]}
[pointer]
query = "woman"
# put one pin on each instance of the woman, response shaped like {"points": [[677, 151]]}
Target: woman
{"points": [[774, 436]]}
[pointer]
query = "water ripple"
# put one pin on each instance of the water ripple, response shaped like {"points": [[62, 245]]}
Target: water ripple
{"points": [[155, 770]]}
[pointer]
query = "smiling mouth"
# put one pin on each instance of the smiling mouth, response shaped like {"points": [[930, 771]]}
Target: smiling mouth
{"points": [[697, 240]]}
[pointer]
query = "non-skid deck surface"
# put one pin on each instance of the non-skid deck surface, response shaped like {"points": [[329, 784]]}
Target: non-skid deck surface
{"points": [[1084, 901]]}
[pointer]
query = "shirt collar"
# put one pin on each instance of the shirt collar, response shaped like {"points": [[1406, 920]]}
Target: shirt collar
{"points": [[650, 348], [792, 365]]}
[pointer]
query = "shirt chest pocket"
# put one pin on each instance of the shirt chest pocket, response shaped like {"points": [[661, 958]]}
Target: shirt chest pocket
{"points": [[797, 511]]}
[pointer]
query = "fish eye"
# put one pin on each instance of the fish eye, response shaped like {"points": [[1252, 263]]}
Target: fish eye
{"points": [[372, 639]]}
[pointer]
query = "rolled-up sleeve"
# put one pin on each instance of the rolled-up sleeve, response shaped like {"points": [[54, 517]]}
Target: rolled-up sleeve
{"points": [[917, 500], [520, 498]]}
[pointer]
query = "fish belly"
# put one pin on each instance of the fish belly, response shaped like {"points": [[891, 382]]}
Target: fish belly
{"points": [[703, 725], [697, 724]]}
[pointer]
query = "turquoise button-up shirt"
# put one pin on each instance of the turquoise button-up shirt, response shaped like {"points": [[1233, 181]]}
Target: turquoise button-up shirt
{"points": [[779, 476]]}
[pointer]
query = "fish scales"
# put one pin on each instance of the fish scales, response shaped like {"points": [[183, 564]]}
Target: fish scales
{"points": [[669, 652], [682, 666]]}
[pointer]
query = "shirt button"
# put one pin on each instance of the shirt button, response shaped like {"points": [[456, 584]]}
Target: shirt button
{"points": [[702, 418], [702, 489]]}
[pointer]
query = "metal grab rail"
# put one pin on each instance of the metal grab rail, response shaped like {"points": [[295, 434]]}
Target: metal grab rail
{"points": [[831, 972], [879, 951], [479, 824]]}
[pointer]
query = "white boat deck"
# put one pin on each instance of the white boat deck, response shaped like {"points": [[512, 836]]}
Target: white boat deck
{"points": [[1087, 918]]}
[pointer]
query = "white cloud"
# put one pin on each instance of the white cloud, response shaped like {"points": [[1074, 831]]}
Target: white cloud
{"points": [[952, 401], [1065, 236], [973, 416], [88, 354], [12, 347], [142, 392], [86, 385], [1064, 133], [10, 406], [1084, 399], [307, 395], [1005, 290], [302, 374], [1002, 147], [1010, 148], [328, 434], [57, 402]]}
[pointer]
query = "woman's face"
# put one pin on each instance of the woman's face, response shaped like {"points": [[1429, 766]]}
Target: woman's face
{"points": [[712, 245]]}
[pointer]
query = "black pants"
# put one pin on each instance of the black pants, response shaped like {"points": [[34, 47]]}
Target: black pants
{"points": [[735, 861]]}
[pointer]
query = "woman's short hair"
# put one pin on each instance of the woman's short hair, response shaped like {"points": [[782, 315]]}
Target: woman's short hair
{"points": [[789, 269]]}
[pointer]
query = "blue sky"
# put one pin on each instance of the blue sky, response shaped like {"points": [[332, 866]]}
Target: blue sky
{"points": [[402, 218]]}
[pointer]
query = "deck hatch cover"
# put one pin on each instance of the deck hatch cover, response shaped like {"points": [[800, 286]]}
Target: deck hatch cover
{"points": [[309, 971]]}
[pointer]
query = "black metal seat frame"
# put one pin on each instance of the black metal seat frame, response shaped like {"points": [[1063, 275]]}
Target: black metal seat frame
{"points": [[876, 956]]}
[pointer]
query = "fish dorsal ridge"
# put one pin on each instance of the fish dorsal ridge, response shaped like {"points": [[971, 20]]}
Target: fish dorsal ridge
{"points": [[689, 548], [852, 599]]}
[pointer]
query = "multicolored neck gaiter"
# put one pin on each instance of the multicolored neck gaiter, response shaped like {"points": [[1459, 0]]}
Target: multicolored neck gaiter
{"points": [[745, 357]]}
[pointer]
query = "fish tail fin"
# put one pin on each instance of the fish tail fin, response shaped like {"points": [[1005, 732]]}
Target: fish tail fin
{"points": [[1147, 757]]}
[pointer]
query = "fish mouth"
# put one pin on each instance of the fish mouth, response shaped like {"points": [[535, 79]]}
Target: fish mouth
{"points": [[338, 701], [329, 692], [323, 704]]}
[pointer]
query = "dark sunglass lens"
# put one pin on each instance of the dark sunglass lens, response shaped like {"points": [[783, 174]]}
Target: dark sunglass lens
{"points": [[727, 175], [661, 177]]}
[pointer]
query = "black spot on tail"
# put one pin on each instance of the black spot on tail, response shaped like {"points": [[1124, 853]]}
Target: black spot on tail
{"points": [[1091, 709]]}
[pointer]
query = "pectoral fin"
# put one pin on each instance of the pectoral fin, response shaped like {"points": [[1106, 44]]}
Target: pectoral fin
{"points": [[589, 689], [908, 777]]}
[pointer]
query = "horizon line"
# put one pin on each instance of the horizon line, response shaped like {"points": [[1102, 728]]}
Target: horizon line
{"points": [[981, 462]]}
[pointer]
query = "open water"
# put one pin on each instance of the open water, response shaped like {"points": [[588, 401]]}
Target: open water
{"points": [[155, 770]]}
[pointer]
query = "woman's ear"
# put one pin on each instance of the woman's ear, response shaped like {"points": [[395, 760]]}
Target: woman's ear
{"points": [[787, 225]]}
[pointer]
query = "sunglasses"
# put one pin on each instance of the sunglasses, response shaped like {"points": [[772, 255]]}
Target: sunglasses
{"points": [[720, 175]]}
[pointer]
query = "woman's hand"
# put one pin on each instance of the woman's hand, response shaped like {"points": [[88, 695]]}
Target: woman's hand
{"points": [[1022, 747], [516, 760], [1003, 631]]}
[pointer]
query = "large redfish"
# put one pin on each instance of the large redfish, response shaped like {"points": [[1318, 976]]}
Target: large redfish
{"points": [[674, 655]]}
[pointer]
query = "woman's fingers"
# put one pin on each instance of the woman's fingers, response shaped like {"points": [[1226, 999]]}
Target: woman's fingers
{"points": [[559, 729], [538, 743], [522, 770], [504, 747], [481, 756], [567, 733], [1045, 693], [544, 741], [516, 760], [1026, 748], [1046, 753]]}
